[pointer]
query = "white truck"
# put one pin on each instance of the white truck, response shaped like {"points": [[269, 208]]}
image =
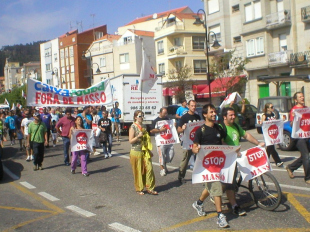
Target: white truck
{"points": [[125, 92]]}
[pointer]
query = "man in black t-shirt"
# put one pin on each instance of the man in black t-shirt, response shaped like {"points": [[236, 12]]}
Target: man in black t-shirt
{"points": [[190, 116], [105, 125], [165, 152]]}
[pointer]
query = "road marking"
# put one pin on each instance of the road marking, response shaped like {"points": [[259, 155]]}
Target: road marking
{"points": [[298, 207], [9, 173], [120, 227], [293, 187], [80, 211], [48, 196], [27, 185]]}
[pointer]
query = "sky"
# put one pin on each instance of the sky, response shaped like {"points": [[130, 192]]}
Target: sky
{"points": [[27, 21]]}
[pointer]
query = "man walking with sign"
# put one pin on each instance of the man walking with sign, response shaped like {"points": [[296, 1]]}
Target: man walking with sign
{"points": [[190, 116], [165, 152], [302, 144]]}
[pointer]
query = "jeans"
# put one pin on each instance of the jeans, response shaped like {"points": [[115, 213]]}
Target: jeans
{"points": [[302, 146], [38, 153], [66, 142], [107, 148]]}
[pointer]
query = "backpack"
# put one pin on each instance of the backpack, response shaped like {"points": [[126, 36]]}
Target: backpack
{"points": [[225, 128]]}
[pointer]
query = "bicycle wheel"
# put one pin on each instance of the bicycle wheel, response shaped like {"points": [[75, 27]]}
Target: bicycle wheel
{"points": [[266, 191]]}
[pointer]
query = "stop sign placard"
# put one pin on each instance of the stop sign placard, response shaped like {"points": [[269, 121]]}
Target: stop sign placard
{"points": [[81, 138], [214, 161], [256, 157], [273, 131], [192, 133], [168, 133], [305, 122]]}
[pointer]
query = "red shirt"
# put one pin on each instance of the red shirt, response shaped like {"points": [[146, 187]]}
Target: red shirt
{"points": [[291, 112], [65, 124]]}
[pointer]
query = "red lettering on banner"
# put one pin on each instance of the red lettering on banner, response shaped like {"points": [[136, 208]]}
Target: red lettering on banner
{"points": [[304, 134], [166, 134], [86, 100], [256, 157], [56, 100], [260, 170], [65, 100], [70, 99], [214, 161], [91, 97], [97, 97], [48, 98], [273, 131], [38, 95], [192, 133], [80, 100], [103, 97], [213, 177], [305, 122]]}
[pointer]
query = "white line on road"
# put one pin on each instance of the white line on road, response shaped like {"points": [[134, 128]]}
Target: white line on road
{"points": [[80, 211], [27, 185], [48, 196], [9, 173], [294, 187], [120, 227]]}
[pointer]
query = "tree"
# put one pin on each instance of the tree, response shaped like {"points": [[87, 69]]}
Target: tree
{"points": [[15, 96], [227, 65], [180, 80]]}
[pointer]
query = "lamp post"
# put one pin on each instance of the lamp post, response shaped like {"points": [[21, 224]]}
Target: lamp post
{"points": [[55, 72], [215, 45], [91, 65]]}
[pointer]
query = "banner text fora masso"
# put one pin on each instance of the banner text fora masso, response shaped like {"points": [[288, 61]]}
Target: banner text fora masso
{"points": [[41, 94]]}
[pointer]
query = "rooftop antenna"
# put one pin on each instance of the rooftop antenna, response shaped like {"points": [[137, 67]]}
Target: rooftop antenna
{"points": [[93, 15]]}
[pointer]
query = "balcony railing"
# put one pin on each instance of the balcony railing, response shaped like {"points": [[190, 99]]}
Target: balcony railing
{"points": [[176, 25], [176, 50], [305, 14], [278, 19], [279, 58], [300, 59]]}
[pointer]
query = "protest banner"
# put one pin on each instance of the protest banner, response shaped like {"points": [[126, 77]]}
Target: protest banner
{"points": [[82, 139], [189, 134], [301, 123], [170, 136], [273, 132], [215, 163], [253, 163], [40, 94]]}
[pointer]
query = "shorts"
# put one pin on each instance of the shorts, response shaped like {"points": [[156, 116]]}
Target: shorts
{"points": [[214, 188], [54, 136]]}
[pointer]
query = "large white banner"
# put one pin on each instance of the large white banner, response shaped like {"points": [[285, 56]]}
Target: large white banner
{"points": [[170, 136], [147, 75], [301, 123], [82, 139], [215, 163], [253, 163], [189, 134], [273, 132], [40, 94]]}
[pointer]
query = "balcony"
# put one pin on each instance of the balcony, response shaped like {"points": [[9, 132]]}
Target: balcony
{"points": [[300, 59], [278, 20], [176, 50], [305, 14], [279, 58], [168, 29]]}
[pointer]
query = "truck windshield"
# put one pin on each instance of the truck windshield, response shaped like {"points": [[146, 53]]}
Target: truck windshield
{"points": [[281, 104]]}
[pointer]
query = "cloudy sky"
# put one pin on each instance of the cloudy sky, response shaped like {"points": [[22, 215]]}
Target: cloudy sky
{"points": [[25, 21]]}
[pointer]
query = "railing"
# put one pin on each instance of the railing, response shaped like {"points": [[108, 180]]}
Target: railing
{"points": [[280, 17], [177, 25], [177, 50], [277, 58], [300, 58], [305, 13]]}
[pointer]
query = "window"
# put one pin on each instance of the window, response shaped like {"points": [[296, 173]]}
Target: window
{"points": [[253, 11], [62, 54], [71, 51], [55, 57], [160, 47], [161, 68], [283, 42], [235, 8], [199, 42], [237, 39], [66, 53], [98, 34], [102, 62], [177, 41], [48, 67], [217, 31], [124, 58], [200, 66], [213, 6], [255, 47], [127, 40], [47, 52], [178, 64], [72, 68]]}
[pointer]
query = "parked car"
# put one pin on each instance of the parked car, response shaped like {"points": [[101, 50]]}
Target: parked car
{"points": [[248, 118], [282, 105], [172, 109], [289, 143]]}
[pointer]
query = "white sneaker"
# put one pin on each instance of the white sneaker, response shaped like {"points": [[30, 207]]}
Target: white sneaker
{"points": [[106, 156], [28, 158], [54, 145], [31, 157], [221, 221], [110, 155], [162, 172], [96, 153]]}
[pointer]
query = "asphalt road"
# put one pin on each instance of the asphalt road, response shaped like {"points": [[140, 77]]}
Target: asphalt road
{"points": [[56, 200]]}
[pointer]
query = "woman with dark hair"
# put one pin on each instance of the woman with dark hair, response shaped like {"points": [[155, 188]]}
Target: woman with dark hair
{"points": [[267, 116], [77, 154], [141, 156]]}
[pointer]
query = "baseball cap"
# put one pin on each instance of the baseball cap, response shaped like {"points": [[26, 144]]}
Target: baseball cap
{"points": [[36, 114]]}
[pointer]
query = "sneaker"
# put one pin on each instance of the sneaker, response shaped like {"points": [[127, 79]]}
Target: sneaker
{"points": [[162, 172], [31, 157], [110, 155], [28, 158], [40, 168], [85, 174], [199, 209], [54, 145], [96, 153], [106, 156], [221, 221], [72, 171], [238, 211], [280, 164], [290, 173], [307, 181], [35, 168], [11, 144]]}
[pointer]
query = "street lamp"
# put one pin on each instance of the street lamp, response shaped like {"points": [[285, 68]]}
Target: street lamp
{"points": [[215, 44], [98, 71]]}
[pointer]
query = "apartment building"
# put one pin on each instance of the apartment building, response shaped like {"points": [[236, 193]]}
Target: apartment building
{"points": [[274, 35], [12, 75]]}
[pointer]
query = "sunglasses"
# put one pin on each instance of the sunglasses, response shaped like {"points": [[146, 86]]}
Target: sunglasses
{"points": [[271, 107], [140, 116]]}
